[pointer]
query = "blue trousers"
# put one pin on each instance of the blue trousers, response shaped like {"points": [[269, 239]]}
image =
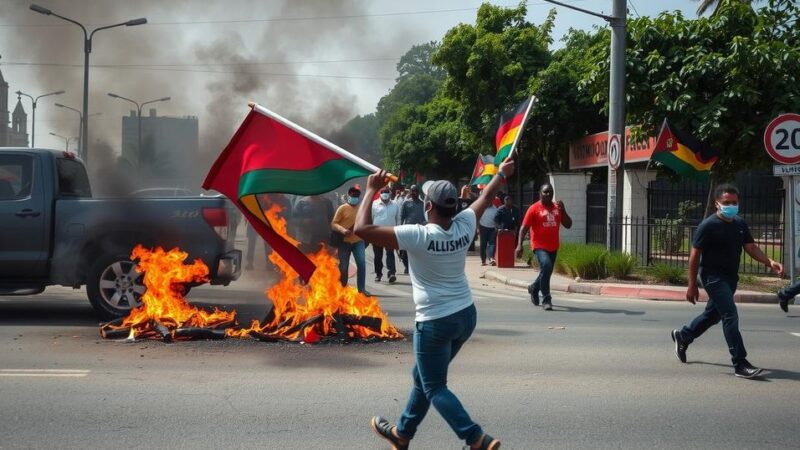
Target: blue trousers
{"points": [[488, 236], [720, 307], [358, 250], [547, 261], [436, 343]]}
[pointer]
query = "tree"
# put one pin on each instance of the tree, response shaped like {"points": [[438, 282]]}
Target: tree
{"points": [[721, 78], [417, 61], [490, 64], [360, 136], [706, 4]]}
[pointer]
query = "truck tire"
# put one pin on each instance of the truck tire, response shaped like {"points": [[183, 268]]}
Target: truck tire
{"points": [[113, 285]]}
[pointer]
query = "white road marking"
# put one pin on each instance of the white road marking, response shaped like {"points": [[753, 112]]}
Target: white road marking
{"points": [[75, 373], [795, 334]]}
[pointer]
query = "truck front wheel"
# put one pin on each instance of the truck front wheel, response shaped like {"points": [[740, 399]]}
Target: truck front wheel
{"points": [[113, 286]]}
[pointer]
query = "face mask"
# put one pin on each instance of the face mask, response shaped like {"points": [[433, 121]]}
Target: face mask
{"points": [[352, 200], [384, 196], [728, 211]]}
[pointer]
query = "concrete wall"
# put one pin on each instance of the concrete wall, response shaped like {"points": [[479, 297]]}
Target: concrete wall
{"points": [[634, 206], [570, 188]]}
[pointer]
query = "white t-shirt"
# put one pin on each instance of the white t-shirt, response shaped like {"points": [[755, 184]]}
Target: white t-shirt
{"points": [[385, 213], [487, 219], [436, 258]]}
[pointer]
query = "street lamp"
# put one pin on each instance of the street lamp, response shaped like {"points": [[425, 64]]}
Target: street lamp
{"points": [[80, 123], [616, 111], [66, 140], [34, 100], [139, 116], [87, 48]]}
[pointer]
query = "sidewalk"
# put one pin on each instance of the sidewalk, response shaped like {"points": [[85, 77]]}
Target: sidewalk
{"points": [[521, 276]]}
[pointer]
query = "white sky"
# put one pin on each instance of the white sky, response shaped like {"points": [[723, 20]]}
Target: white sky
{"points": [[379, 31]]}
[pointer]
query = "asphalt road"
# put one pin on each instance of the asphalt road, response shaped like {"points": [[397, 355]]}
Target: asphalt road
{"points": [[594, 373]]}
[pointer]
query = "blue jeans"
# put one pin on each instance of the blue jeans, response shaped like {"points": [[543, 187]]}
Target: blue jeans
{"points": [[547, 261], [436, 343], [789, 292], [488, 236], [720, 306], [358, 250]]}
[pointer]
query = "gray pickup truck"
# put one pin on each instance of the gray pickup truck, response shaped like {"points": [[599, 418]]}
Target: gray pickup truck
{"points": [[52, 232]]}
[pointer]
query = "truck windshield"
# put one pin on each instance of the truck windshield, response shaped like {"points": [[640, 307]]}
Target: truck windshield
{"points": [[72, 179]]}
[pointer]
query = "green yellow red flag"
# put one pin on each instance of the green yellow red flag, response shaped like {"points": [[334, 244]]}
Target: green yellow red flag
{"points": [[511, 125], [683, 153]]}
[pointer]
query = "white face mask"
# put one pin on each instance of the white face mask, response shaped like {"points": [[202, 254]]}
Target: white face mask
{"points": [[384, 196]]}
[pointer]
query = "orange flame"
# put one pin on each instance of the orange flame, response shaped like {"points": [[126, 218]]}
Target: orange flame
{"points": [[295, 303], [164, 275]]}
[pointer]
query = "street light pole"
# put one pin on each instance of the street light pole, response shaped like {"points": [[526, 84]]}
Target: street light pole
{"points": [[87, 49], [139, 116], [66, 140], [616, 112], [80, 126], [35, 100]]}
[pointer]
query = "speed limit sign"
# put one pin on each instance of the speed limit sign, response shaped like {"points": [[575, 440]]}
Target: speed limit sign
{"points": [[782, 138], [614, 151]]}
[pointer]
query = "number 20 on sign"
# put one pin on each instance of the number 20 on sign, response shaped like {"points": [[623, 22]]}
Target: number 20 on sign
{"points": [[782, 138]]}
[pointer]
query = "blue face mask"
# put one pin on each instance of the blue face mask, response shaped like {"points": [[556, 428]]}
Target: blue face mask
{"points": [[729, 211], [352, 200]]}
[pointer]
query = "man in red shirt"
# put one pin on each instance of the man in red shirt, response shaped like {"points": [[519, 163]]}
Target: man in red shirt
{"points": [[544, 219]]}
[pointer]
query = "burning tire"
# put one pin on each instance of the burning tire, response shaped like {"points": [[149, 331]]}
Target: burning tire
{"points": [[113, 286]]}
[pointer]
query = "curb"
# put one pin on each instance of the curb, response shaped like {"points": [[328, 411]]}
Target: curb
{"points": [[653, 293]]}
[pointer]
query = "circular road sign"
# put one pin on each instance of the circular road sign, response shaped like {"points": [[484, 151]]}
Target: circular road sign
{"points": [[782, 138], [614, 151]]}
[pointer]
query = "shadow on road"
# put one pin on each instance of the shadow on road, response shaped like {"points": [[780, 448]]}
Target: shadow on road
{"points": [[27, 313], [598, 310], [767, 375]]}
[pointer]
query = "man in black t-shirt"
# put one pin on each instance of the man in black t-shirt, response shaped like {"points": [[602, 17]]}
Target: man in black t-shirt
{"points": [[716, 250]]}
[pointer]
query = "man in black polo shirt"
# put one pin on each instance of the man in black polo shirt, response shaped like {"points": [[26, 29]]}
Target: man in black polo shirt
{"points": [[716, 250]]}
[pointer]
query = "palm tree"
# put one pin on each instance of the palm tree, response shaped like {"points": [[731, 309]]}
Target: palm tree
{"points": [[706, 4]]}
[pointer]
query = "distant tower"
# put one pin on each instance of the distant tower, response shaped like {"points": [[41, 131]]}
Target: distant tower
{"points": [[3, 111], [19, 124]]}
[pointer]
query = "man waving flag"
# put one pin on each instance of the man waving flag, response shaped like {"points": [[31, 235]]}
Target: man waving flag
{"points": [[270, 154]]}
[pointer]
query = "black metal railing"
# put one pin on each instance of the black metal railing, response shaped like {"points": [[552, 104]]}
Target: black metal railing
{"points": [[668, 241]]}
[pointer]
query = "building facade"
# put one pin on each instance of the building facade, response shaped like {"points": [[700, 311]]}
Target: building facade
{"points": [[169, 147]]}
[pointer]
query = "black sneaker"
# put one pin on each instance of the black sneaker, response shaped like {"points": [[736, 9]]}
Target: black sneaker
{"points": [[746, 370], [783, 302], [384, 429], [392, 279], [378, 279], [680, 346], [547, 304], [534, 295]]}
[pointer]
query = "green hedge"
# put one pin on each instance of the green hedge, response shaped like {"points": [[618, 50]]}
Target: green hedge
{"points": [[588, 261]]}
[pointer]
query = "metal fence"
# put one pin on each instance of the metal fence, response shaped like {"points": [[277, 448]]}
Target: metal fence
{"points": [[668, 241]]}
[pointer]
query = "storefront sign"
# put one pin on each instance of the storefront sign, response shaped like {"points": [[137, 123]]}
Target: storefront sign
{"points": [[592, 150]]}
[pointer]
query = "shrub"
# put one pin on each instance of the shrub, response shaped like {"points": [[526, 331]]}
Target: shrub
{"points": [[581, 260], [664, 273], [620, 265]]}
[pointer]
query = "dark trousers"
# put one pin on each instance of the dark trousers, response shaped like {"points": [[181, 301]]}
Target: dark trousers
{"points": [[547, 261], [790, 291], [378, 261], [487, 242], [720, 306], [436, 343], [404, 258]]}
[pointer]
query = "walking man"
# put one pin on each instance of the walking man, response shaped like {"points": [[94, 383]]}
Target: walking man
{"points": [[508, 217], [343, 222], [488, 234], [412, 212], [544, 219], [715, 253], [385, 212], [445, 313]]}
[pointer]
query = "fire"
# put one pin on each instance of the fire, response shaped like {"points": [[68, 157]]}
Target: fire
{"points": [[164, 309], [323, 307], [308, 313]]}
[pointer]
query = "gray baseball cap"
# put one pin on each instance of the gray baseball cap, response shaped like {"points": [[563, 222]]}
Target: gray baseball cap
{"points": [[441, 192]]}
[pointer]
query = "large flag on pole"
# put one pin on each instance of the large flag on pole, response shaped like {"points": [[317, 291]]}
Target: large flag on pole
{"points": [[484, 171], [268, 153], [512, 123], [683, 153]]}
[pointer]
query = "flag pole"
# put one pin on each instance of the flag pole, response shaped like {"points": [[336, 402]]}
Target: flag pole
{"points": [[514, 151], [318, 139]]}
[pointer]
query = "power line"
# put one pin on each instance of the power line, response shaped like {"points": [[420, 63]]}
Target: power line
{"points": [[249, 63], [297, 19], [273, 74]]}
